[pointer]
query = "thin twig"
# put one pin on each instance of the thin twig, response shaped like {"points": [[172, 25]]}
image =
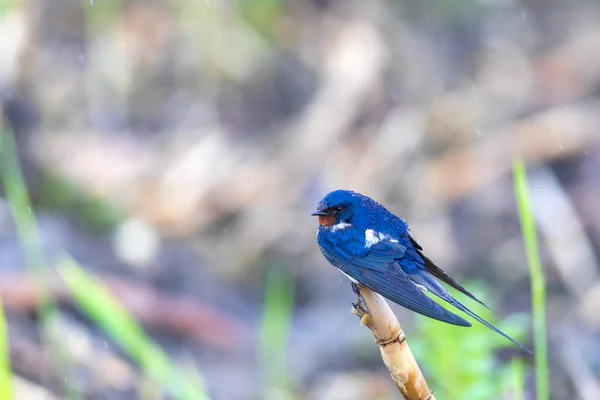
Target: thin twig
{"points": [[393, 346]]}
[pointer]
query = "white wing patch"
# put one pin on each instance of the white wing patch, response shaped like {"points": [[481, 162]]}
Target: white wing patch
{"points": [[373, 237]]}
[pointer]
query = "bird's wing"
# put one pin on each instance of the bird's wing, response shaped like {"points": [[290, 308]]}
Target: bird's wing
{"points": [[443, 276], [379, 271], [423, 279]]}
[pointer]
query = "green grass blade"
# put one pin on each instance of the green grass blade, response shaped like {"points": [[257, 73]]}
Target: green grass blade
{"points": [[100, 306], [6, 388], [517, 372], [537, 278], [275, 327], [19, 203], [23, 216]]}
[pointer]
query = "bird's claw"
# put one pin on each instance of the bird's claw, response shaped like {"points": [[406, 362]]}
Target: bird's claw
{"points": [[360, 305]]}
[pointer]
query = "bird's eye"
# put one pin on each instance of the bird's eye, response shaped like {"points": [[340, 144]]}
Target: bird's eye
{"points": [[339, 209]]}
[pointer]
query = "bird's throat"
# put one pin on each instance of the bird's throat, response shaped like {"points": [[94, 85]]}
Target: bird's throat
{"points": [[326, 220]]}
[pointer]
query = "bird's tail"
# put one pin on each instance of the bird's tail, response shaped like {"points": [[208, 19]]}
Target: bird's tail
{"points": [[423, 279], [484, 322]]}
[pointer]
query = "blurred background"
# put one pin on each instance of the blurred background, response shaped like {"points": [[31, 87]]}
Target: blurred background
{"points": [[175, 150]]}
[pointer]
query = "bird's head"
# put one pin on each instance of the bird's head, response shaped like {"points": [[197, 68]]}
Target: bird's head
{"points": [[338, 207]]}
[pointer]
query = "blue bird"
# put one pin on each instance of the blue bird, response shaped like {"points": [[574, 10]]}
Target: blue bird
{"points": [[374, 248]]}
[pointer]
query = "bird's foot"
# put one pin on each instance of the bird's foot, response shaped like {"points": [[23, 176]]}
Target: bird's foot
{"points": [[360, 305]]}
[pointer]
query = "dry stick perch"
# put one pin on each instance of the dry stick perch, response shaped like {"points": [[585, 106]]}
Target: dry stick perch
{"points": [[392, 343]]}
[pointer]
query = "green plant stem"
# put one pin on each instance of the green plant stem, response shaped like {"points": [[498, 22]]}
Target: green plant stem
{"points": [[538, 294]]}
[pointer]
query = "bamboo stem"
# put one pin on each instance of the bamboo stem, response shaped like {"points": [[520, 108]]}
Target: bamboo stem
{"points": [[393, 346]]}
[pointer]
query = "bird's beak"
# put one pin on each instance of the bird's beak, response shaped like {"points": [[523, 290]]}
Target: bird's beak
{"points": [[319, 212]]}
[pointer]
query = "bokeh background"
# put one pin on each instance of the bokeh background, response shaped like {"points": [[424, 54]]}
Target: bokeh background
{"points": [[175, 150]]}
